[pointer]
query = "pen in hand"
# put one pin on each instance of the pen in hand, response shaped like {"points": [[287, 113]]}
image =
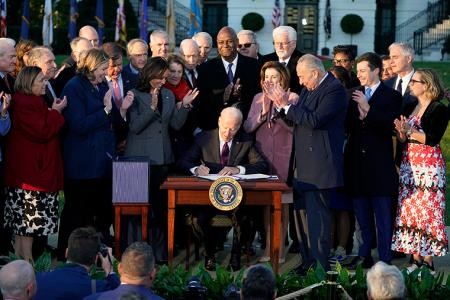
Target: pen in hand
{"points": [[202, 169]]}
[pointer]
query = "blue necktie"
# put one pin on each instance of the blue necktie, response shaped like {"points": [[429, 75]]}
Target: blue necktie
{"points": [[368, 93], [230, 73]]}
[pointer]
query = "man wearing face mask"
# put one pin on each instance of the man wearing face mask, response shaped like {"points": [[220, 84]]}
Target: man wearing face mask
{"points": [[285, 42], [230, 79]]}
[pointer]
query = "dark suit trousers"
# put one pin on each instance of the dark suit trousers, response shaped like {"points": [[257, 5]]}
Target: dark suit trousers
{"points": [[364, 208], [315, 225]]}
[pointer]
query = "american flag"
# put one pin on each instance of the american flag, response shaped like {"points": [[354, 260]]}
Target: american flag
{"points": [[327, 20], [276, 14], [3, 18], [121, 28]]}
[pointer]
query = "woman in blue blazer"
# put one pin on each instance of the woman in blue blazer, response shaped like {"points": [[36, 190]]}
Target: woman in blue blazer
{"points": [[88, 146]]}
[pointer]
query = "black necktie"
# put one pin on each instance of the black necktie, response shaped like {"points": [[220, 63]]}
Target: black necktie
{"points": [[193, 79], [399, 86]]}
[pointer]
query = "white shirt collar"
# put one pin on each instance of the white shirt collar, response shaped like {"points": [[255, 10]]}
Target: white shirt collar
{"points": [[133, 69], [405, 81], [233, 67]]}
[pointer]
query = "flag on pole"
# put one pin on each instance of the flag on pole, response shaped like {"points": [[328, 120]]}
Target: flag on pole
{"points": [[47, 26], [195, 17], [73, 19], [170, 24], [276, 14], [327, 20], [143, 20], [121, 27], [3, 18], [25, 20], [99, 19]]}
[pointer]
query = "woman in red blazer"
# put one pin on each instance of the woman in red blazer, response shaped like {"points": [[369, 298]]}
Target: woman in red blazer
{"points": [[33, 164]]}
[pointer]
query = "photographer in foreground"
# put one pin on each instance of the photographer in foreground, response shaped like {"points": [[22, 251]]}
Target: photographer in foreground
{"points": [[72, 280]]}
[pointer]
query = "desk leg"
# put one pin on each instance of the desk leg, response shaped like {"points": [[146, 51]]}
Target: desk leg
{"points": [[275, 229], [144, 218], [170, 224], [117, 232]]}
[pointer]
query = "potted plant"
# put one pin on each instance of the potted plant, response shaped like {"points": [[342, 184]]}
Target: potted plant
{"points": [[352, 24], [252, 21]]}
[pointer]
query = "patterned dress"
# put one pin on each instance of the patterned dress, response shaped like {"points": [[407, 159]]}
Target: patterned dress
{"points": [[419, 226]]}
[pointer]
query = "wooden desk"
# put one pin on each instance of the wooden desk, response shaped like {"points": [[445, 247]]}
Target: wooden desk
{"points": [[194, 191]]}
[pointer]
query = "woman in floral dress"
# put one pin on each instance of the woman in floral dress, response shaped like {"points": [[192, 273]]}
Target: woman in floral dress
{"points": [[419, 227]]}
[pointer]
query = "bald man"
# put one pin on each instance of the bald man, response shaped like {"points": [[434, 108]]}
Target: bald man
{"points": [[89, 33], [190, 53], [204, 42], [17, 280], [230, 79], [224, 151]]}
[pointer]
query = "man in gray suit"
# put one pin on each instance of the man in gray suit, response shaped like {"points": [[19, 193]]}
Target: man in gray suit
{"points": [[318, 119]]}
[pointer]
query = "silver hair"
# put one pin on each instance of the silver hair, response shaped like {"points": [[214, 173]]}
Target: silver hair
{"points": [[6, 42], [291, 32], [232, 111], [407, 49], [35, 55], [204, 35], [248, 32], [186, 42], [156, 33], [15, 277], [75, 41], [132, 42], [311, 62], [385, 282]]}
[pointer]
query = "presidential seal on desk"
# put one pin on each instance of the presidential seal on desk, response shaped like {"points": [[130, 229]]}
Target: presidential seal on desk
{"points": [[225, 193]]}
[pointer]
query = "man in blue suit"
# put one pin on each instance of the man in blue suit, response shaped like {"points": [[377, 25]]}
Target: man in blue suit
{"points": [[137, 271], [371, 177], [318, 140], [72, 280]]}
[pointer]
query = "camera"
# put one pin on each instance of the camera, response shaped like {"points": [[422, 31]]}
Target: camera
{"points": [[103, 250], [194, 289], [232, 293]]}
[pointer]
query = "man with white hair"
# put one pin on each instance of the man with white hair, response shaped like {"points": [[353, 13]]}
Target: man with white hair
{"points": [[159, 43], [385, 282], [137, 52], [318, 119], [204, 42], [89, 33], [17, 281], [402, 57], [285, 43], [190, 53], [247, 44], [7, 65], [225, 151]]}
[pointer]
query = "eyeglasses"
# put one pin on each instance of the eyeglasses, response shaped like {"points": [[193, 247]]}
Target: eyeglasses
{"points": [[338, 61], [413, 81], [246, 45], [280, 44]]}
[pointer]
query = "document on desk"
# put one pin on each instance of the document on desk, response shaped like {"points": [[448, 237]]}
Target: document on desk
{"points": [[214, 177]]}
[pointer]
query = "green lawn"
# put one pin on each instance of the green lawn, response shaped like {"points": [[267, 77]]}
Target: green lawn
{"points": [[444, 70]]}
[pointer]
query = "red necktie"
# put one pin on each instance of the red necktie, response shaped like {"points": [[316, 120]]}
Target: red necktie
{"points": [[117, 94], [224, 155]]}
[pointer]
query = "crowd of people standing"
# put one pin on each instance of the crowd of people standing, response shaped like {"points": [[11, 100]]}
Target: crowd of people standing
{"points": [[360, 151]]}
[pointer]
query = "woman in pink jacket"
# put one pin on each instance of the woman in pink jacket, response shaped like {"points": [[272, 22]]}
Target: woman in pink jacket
{"points": [[273, 137]]}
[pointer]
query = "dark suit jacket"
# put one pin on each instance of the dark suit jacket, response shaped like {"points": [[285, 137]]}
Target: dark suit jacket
{"points": [[407, 97], [318, 119], [125, 289], [70, 282], [127, 69], [369, 161], [129, 81], [89, 139], [4, 88], [294, 84], [206, 148], [212, 81]]}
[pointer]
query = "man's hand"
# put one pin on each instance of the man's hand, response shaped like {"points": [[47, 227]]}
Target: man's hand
{"points": [[6, 98], [229, 171], [202, 170], [237, 88], [227, 93], [107, 261], [363, 104]]}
